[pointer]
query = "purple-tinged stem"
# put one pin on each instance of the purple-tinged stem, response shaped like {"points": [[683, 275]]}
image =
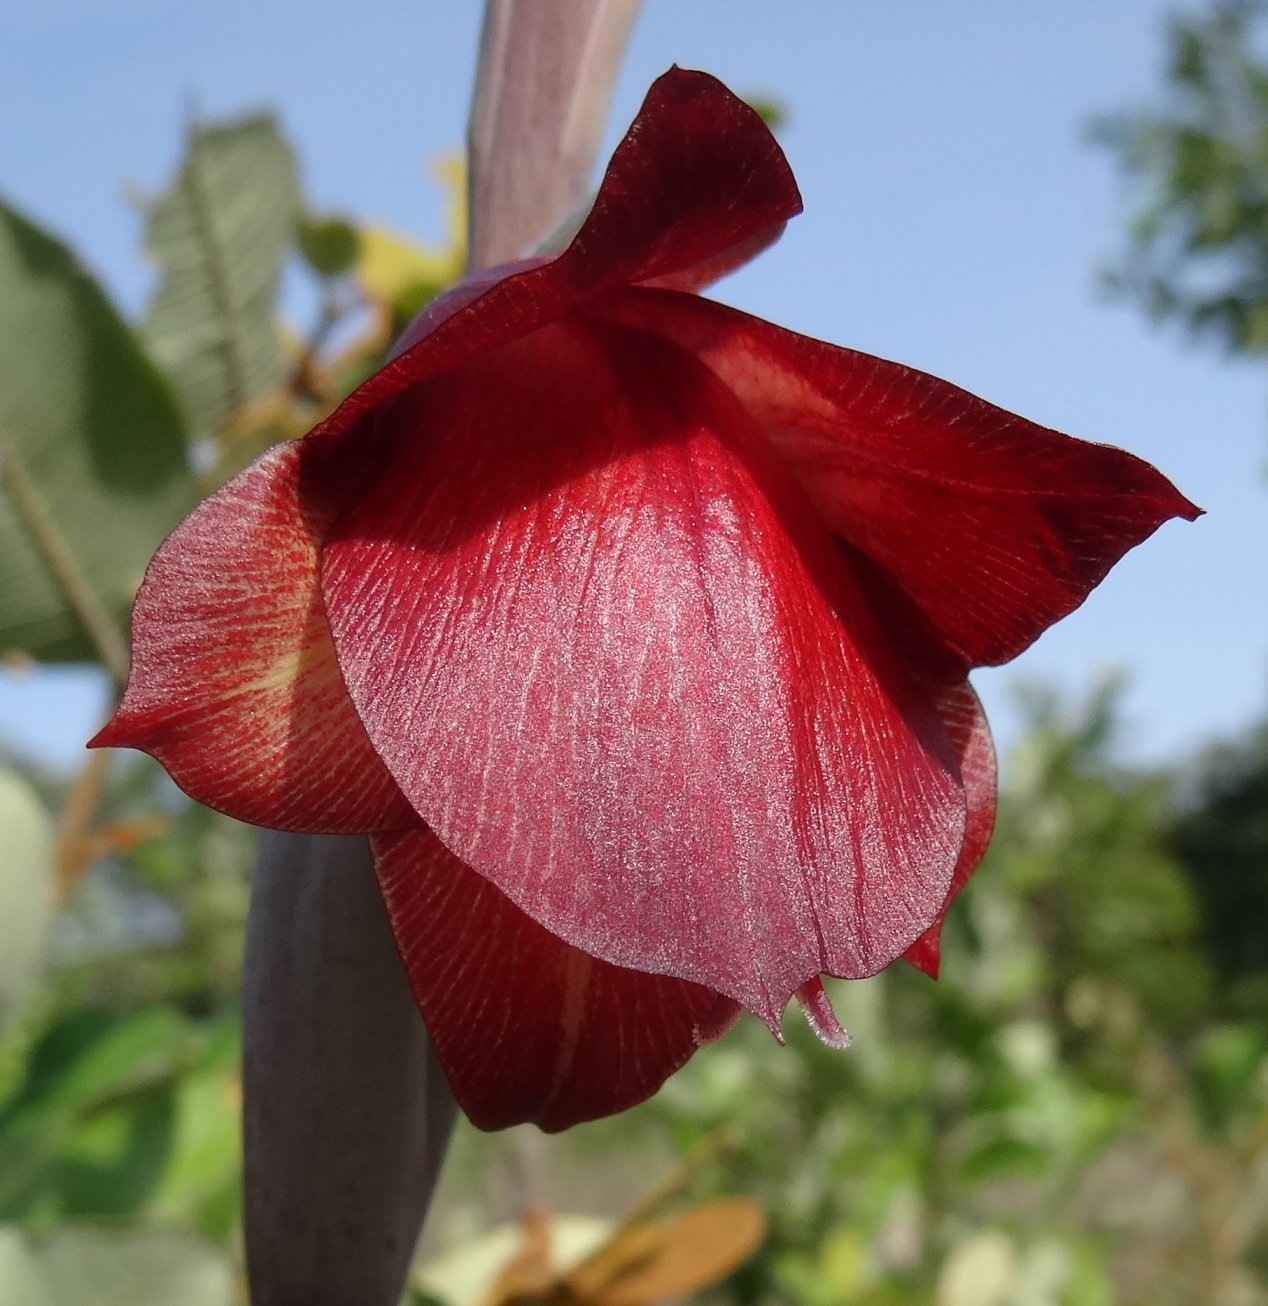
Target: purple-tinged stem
{"points": [[543, 89], [347, 1112]]}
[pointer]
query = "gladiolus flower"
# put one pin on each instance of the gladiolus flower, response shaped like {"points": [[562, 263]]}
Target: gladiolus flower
{"points": [[633, 630]]}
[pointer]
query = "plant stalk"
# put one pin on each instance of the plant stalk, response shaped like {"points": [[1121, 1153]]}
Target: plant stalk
{"points": [[544, 86], [347, 1112]]}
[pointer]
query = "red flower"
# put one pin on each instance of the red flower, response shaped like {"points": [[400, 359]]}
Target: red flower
{"points": [[635, 632]]}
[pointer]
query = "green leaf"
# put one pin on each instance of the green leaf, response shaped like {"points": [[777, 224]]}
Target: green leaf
{"points": [[329, 245], [93, 431], [26, 890], [220, 235], [73, 1068], [95, 1113], [769, 108], [112, 1161], [1003, 1156], [201, 1187]]}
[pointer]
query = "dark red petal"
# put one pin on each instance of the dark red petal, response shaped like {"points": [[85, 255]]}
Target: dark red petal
{"points": [[714, 269], [942, 674], [527, 1027], [966, 724], [697, 186], [606, 649], [814, 1001], [234, 683], [995, 526]]}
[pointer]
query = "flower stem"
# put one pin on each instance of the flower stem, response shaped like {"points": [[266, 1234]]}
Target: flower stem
{"points": [[347, 1113], [543, 89]]}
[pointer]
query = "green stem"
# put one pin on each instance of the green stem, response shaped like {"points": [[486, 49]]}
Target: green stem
{"points": [[61, 562]]}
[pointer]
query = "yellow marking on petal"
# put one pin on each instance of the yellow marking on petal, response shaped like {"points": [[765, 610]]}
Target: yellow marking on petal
{"points": [[316, 657]]}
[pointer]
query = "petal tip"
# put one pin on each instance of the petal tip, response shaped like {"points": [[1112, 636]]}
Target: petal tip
{"points": [[111, 735], [814, 1003]]}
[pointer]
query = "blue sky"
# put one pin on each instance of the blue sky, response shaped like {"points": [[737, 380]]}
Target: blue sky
{"points": [[955, 217]]}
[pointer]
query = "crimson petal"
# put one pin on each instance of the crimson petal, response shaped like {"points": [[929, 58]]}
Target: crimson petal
{"points": [[527, 1027], [697, 186], [613, 659], [962, 712], [234, 684], [995, 527], [942, 673]]}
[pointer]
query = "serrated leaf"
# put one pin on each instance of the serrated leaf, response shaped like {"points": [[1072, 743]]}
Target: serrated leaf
{"points": [[95, 428], [219, 236], [26, 890]]}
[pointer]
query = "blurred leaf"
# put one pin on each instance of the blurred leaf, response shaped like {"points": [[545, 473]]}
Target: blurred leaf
{"points": [[23, 1281], [1002, 1156], [1255, 1257], [142, 1267], [832, 1276], [26, 890], [110, 1162], [201, 1185], [465, 1273], [980, 1272], [1090, 1283], [329, 245], [97, 433], [671, 1258], [1222, 839], [1198, 249], [1225, 1071], [399, 273], [88, 1131], [769, 108], [219, 236], [92, 1055]]}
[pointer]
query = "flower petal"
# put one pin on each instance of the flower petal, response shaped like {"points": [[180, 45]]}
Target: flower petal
{"points": [[234, 684], [943, 676], [814, 1001], [962, 712], [605, 647], [995, 526], [526, 1027], [697, 186]]}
